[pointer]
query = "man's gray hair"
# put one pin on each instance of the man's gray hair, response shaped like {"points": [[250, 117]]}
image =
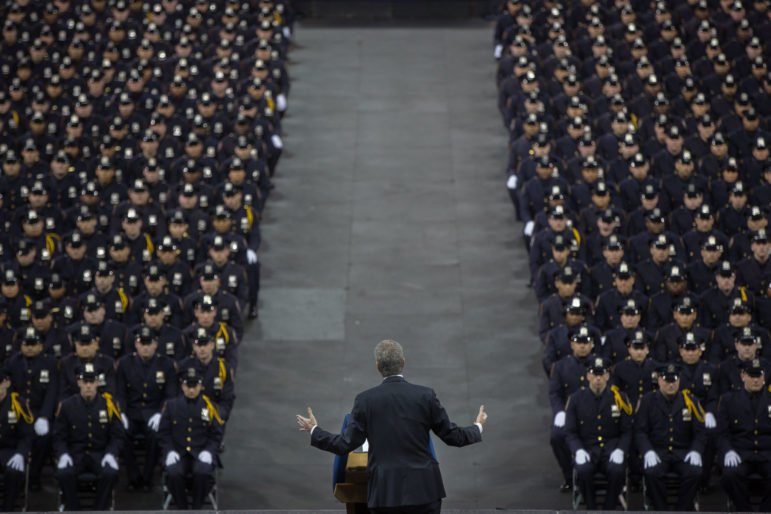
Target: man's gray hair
{"points": [[389, 356]]}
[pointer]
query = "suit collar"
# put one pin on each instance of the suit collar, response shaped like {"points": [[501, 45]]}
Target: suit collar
{"points": [[393, 378]]}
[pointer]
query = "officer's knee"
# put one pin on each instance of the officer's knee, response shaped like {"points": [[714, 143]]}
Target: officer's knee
{"points": [[201, 468], [584, 471], [175, 470], [616, 470]]}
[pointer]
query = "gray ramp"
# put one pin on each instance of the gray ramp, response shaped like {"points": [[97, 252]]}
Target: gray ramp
{"points": [[390, 219]]}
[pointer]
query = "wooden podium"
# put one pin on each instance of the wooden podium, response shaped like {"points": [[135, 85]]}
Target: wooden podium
{"points": [[353, 492]]}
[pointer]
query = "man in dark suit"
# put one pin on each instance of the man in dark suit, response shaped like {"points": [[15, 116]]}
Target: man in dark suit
{"points": [[395, 418]]}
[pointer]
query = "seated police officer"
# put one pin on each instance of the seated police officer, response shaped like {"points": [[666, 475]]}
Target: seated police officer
{"points": [[598, 429], [88, 437], [145, 379], [36, 377], [86, 351], [15, 440], [744, 437], [190, 433], [216, 373], [747, 346], [669, 432]]}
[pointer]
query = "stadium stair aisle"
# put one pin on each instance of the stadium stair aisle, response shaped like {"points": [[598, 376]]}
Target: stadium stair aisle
{"points": [[390, 219]]}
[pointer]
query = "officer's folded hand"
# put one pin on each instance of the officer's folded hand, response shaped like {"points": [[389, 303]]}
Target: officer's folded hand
{"points": [[709, 420], [651, 458], [617, 456], [693, 458], [16, 462], [109, 460], [41, 426], [559, 419], [154, 421], [172, 458], [731, 459], [582, 457], [64, 461], [205, 457]]}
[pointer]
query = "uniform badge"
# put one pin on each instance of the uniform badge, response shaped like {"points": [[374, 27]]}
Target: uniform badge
{"points": [[220, 344], [12, 418], [102, 381], [686, 414], [707, 379], [152, 220], [654, 376], [232, 282], [114, 198], [160, 378], [145, 255], [57, 350], [205, 415], [201, 225], [102, 416], [24, 314], [769, 411], [191, 251], [170, 348], [116, 343], [217, 384], [615, 412], [133, 281], [225, 315], [44, 378]]}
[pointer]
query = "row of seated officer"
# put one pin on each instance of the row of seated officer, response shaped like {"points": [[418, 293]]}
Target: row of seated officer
{"points": [[138, 141], [639, 164]]}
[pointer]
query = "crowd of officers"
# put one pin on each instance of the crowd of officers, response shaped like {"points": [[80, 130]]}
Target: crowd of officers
{"points": [[639, 164], [137, 145]]}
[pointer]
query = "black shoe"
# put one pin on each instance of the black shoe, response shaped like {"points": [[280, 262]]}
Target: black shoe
{"points": [[252, 312], [566, 487]]}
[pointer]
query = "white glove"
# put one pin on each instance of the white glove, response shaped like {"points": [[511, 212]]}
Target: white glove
{"points": [[582, 457], [512, 182], [16, 462], [154, 421], [41, 426], [205, 457], [559, 419], [124, 419], [498, 51], [693, 458], [172, 458], [64, 461], [286, 31], [617, 456], [651, 458], [731, 459], [529, 226], [251, 256], [281, 102], [709, 420], [276, 140], [109, 460]]}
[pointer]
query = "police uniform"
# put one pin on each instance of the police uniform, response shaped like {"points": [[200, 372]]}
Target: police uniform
{"points": [[669, 433], [85, 432], [217, 377], [15, 439], [37, 379], [189, 430], [601, 426], [142, 387], [636, 378], [70, 365], [744, 440]]}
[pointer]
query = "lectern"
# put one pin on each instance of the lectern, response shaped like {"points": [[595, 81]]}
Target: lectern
{"points": [[349, 477]]}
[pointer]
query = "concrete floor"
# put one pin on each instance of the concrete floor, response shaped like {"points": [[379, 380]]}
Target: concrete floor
{"points": [[390, 219]]}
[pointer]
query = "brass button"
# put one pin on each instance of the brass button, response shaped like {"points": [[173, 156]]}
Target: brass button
{"points": [[599, 438], [187, 448], [189, 439]]}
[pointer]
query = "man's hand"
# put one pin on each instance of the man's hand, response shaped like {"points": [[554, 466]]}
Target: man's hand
{"points": [[482, 416], [307, 424]]}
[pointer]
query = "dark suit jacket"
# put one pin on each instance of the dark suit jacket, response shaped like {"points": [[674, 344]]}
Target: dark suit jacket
{"points": [[395, 417]]}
